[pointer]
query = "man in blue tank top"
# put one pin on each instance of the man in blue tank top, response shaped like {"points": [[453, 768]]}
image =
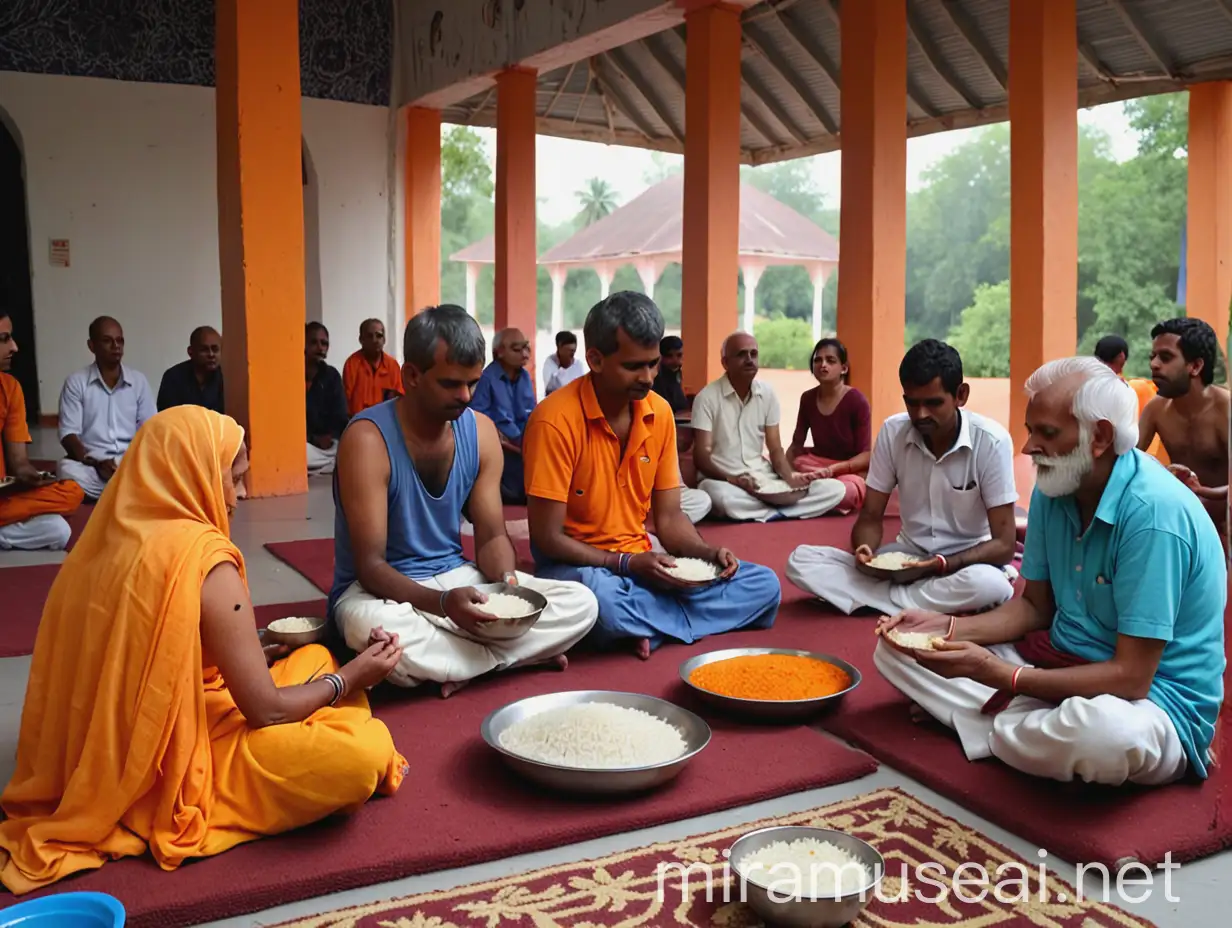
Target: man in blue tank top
{"points": [[600, 455], [409, 470]]}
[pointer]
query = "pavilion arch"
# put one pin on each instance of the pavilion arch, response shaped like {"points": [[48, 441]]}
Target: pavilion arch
{"points": [[314, 309], [16, 269]]}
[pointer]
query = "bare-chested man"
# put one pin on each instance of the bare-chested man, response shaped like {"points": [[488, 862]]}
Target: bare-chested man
{"points": [[1190, 414]]}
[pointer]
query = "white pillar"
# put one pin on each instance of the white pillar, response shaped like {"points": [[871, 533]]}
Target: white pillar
{"points": [[472, 281], [648, 271], [820, 275], [605, 280], [558, 273], [751, 271]]}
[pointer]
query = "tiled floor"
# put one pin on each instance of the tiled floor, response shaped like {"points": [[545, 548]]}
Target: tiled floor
{"points": [[1195, 895]]}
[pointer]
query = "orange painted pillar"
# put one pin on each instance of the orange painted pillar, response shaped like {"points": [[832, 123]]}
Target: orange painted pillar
{"points": [[422, 209], [711, 223], [517, 292], [872, 278], [261, 235], [1209, 235], [1043, 98]]}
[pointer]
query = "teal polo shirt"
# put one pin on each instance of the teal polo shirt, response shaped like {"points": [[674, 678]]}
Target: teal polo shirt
{"points": [[1150, 565]]}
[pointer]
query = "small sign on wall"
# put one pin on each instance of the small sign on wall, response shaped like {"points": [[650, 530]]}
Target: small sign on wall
{"points": [[59, 252]]}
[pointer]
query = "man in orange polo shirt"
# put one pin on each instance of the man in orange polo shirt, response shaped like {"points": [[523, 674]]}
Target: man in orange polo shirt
{"points": [[32, 505], [600, 455], [370, 376]]}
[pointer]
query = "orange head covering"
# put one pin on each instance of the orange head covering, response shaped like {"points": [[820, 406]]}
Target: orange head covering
{"points": [[114, 749]]}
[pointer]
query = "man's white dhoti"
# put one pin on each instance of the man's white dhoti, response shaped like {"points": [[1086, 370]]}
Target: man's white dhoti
{"points": [[435, 649], [830, 573], [731, 502], [37, 533], [84, 475], [1104, 740], [321, 460], [694, 504]]}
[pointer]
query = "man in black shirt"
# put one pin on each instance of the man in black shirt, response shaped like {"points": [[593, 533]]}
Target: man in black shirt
{"points": [[667, 382], [197, 381], [326, 401]]}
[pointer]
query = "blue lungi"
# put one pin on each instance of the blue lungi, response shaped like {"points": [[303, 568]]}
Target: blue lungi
{"points": [[627, 609]]}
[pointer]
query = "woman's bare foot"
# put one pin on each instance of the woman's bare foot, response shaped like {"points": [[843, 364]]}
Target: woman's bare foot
{"points": [[643, 648], [448, 689]]}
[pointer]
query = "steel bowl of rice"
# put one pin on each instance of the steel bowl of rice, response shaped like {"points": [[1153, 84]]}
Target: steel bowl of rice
{"points": [[295, 631], [514, 610], [896, 567], [777, 492], [770, 684], [805, 877], [694, 571], [596, 741]]}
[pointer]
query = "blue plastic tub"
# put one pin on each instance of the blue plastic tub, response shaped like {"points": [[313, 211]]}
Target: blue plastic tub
{"points": [[65, 910]]}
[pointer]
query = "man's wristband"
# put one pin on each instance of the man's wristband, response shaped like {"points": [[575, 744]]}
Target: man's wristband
{"points": [[945, 567]]}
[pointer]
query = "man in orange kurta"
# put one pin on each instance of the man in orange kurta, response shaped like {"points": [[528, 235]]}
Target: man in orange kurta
{"points": [[32, 506], [370, 376]]}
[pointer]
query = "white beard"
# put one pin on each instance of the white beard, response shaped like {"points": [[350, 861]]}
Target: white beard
{"points": [[1062, 475]]}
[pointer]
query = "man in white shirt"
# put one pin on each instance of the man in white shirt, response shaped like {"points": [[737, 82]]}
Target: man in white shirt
{"points": [[735, 418], [101, 408], [562, 366], [955, 477]]}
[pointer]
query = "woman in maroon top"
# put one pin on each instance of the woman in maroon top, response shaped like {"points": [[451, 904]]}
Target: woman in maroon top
{"points": [[840, 419]]}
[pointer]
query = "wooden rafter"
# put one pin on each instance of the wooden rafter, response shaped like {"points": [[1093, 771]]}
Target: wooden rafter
{"points": [[970, 31], [811, 47], [621, 63], [615, 94], [767, 99], [560, 90], [918, 30], [1150, 44], [764, 45]]}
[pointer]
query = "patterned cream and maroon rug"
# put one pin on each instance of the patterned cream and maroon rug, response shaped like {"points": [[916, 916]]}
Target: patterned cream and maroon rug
{"points": [[643, 888]]}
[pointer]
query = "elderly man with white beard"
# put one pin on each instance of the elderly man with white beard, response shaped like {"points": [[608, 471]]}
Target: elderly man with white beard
{"points": [[1109, 669]]}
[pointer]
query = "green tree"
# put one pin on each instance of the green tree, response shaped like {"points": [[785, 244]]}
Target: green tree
{"points": [[783, 344], [598, 199], [467, 212], [1130, 225], [982, 335]]}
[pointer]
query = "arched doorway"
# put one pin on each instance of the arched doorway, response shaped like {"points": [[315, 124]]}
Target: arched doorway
{"points": [[313, 309], [15, 285]]}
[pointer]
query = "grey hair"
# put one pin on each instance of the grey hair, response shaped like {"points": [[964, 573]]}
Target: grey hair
{"points": [[450, 324], [634, 312], [1101, 396]]}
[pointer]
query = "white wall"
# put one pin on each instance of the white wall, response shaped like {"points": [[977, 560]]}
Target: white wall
{"points": [[127, 173]]}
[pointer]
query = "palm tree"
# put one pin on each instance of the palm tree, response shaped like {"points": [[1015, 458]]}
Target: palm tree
{"points": [[597, 199]]}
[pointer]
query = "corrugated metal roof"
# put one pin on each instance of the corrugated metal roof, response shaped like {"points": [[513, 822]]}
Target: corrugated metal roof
{"points": [[958, 56]]}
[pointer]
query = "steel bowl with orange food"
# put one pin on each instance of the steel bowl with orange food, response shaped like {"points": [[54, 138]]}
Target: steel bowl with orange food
{"points": [[770, 684]]}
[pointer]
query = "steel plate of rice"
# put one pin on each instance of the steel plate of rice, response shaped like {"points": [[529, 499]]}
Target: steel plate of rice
{"points": [[595, 736]]}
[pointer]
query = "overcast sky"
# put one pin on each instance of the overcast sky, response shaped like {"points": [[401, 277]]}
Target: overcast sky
{"points": [[563, 166]]}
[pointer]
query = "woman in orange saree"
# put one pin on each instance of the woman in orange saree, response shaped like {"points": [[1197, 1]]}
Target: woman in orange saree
{"points": [[153, 719]]}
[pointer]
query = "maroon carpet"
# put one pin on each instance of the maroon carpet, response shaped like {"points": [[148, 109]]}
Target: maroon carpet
{"points": [[460, 806], [25, 589]]}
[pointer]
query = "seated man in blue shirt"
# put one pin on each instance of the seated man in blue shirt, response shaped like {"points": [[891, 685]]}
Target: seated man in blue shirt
{"points": [[506, 396], [1110, 667]]}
